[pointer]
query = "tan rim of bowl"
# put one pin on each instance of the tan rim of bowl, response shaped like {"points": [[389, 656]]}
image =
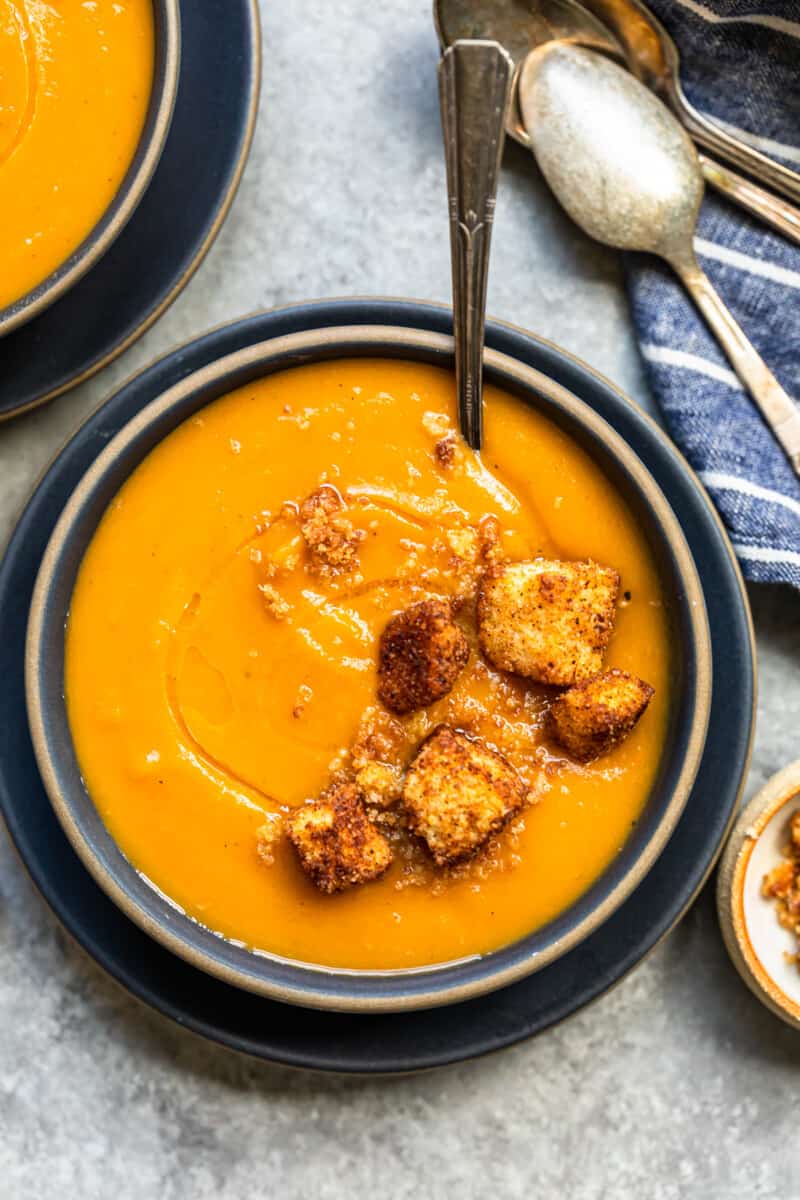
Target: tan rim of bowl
{"points": [[130, 192], [297, 347], [777, 793]]}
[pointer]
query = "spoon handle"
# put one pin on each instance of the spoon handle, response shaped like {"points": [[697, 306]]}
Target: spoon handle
{"points": [[474, 93], [719, 142], [772, 209], [777, 407]]}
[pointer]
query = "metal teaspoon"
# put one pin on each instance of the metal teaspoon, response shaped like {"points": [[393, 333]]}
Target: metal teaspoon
{"points": [[625, 30], [627, 173], [474, 92], [653, 57]]}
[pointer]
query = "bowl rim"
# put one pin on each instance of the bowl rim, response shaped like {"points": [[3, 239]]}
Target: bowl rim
{"points": [[167, 21], [332, 342]]}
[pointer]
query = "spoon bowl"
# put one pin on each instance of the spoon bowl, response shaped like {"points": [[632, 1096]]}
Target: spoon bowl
{"points": [[625, 31], [615, 157], [654, 58], [519, 26]]}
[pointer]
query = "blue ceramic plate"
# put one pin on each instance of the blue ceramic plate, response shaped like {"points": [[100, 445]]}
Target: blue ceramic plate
{"points": [[174, 225], [398, 1042]]}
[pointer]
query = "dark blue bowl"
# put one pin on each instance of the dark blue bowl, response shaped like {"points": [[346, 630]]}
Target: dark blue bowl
{"points": [[306, 984]]}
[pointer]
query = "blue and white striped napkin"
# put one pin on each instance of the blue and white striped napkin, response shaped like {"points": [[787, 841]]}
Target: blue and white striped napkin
{"points": [[740, 65]]}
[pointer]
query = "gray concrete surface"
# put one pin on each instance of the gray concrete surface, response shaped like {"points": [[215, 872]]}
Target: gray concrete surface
{"points": [[677, 1084]]}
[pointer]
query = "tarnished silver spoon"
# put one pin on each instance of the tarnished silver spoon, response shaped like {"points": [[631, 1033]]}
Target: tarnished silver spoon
{"points": [[520, 26], [653, 57], [628, 174], [624, 30]]}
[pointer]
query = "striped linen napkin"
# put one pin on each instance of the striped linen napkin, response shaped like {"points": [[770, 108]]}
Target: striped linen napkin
{"points": [[740, 65]]}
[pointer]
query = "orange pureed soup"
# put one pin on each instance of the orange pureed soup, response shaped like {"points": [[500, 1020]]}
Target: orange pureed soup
{"points": [[75, 83], [205, 691]]}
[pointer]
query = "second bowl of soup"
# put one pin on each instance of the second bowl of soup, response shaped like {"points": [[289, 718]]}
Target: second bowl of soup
{"points": [[88, 93], [355, 717]]}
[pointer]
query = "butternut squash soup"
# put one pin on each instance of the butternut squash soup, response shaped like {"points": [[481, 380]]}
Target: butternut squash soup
{"points": [[350, 693], [75, 83]]}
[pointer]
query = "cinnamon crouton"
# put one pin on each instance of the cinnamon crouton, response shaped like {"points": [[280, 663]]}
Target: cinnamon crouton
{"points": [[458, 792], [330, 536], [593, 717], [422, 652], [337, 844], [546, 619]]}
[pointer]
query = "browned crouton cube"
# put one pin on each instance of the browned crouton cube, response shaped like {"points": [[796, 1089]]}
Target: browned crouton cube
{"points": [[422, 652], [458, 792], [337, 844], [548, 620], [592, 717], [330, 536]]}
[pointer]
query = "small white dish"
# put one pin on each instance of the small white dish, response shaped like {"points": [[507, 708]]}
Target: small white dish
{"points": [[759, 946]]}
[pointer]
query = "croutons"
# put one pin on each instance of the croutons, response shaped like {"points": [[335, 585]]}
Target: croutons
{"points": [[593, 717], [458, 792], [794, 829], [422, 652], [330, 536], [550, 621], [782, 884], [779, 883], [337, 844]]}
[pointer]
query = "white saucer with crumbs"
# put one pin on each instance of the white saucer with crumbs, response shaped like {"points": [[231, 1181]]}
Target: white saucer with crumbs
{"points": [[763, 951]]}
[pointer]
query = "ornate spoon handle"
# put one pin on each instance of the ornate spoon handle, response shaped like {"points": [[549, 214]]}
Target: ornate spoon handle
{"points": [[773, 210], [474, 92]]}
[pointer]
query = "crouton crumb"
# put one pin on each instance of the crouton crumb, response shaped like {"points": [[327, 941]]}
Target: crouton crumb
{"points": [[421, 654], [305, 695], [548, 620], [592, 718], [445, 451], [274, 602], [380, 737], [336, 843], [447, 448], [782, 884], [458, 792], [436, 424], [269, 836], [330, 536], [489, 540], [380, 784]]}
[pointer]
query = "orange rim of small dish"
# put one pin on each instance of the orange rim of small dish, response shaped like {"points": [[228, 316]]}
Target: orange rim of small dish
{"points": [[779, 791]]}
